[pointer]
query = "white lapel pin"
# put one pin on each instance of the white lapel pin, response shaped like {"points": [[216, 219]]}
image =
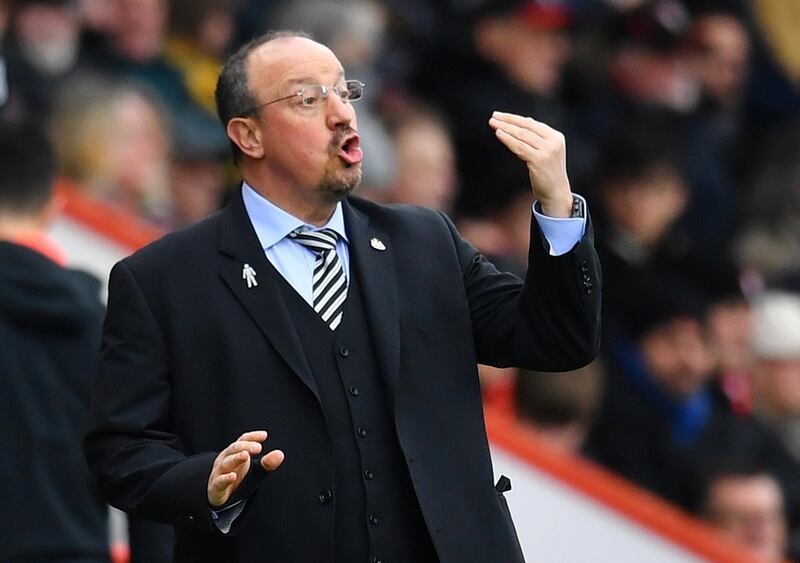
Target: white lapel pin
{"points": [[249, 274], [377, 244]]}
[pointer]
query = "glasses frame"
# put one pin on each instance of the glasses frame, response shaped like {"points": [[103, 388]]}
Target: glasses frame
{"points": [[325, 90]]}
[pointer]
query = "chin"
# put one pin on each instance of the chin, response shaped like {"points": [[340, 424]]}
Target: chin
{"points": [[339, 188]]}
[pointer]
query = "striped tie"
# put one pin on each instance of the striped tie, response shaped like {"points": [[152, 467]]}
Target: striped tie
{"points": [[329, 286]]}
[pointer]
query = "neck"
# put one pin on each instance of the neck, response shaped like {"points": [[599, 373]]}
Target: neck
{"points": [[310, 211], [15, 228]]}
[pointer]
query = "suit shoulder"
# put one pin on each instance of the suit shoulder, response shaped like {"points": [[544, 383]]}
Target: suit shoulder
{"points": [[396, 214]]}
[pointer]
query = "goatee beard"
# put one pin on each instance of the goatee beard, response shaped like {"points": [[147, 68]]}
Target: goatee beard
{"points": [[336, 189]]}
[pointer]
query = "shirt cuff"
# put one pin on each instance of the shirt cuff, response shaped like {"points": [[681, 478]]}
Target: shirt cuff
{"points": [[224, 518], [561, 233]]}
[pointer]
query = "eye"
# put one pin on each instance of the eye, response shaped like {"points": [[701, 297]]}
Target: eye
{"points": [[310, 99]]}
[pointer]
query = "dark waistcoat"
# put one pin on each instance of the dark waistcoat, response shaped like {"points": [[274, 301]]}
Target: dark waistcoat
{"points": [[377, 517]]}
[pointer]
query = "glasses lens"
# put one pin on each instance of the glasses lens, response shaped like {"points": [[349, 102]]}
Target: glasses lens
{"points": [[312, 96], [355, 90]]}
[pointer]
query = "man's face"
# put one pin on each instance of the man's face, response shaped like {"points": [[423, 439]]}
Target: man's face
{"points": [[313, 149], [777, 386], [647, 207], [678, 355], [749, 510]]}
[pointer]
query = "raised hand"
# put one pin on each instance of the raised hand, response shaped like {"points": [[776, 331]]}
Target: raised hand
{"points": [[232, 464], [544, 151]]}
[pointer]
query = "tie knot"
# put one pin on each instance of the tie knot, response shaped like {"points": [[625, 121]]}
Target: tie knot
{"points": [[317, 241]]}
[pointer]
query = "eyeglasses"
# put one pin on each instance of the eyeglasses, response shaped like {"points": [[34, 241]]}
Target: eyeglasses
{"points": [[316, 94]]}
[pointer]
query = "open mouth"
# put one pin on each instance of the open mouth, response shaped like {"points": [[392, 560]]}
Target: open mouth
{"points": [[350, 150]]}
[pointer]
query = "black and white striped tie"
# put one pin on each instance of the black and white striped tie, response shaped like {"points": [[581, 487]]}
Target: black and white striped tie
{"points": [[329, 285]]}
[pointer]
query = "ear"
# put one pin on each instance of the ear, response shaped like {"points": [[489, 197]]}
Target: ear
{"points": [[245, 132]]}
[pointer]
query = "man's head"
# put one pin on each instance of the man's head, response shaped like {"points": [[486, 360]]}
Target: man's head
{"points": [[27, 172], [290, 145], [776, 347], [666, 317], [426, 172], [747, 505], [48, 33], [718, 52], [642, 187], [526, 39]]}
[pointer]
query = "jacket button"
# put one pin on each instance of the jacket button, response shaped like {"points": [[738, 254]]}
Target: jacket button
{"points": [[354, 391], [584, 267], [344, 351], [373, 520], [362, 432], [368, 475], [325, 496], [375, 560]]}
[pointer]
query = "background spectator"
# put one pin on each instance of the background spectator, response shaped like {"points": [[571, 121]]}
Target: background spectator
{"points": [[50, 319], [746, 504]]}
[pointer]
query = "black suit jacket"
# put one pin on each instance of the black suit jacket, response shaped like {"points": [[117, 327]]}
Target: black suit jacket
{"points": [[191, 358]]}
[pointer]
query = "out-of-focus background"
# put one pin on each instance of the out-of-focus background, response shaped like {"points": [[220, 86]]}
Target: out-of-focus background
{"points": [[682, 120]]}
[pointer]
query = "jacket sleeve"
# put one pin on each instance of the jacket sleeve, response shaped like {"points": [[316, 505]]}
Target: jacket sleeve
{"points": [[139, 464], [549, 322]]}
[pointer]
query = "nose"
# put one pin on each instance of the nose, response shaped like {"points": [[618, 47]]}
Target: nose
{"points": [[339, 113]]}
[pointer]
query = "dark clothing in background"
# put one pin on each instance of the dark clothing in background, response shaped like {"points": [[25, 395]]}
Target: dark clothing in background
{"points": [[669, 447], [50, 321]]}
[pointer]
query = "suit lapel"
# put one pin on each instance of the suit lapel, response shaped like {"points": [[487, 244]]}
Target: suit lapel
{"points": [[375, 269], [263, 302]]}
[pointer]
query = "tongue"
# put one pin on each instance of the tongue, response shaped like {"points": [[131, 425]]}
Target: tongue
{"points": [[351, 154]]}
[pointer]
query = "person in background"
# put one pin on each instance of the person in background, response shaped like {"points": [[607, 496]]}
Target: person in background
{"points": [[200, 33], [42, 52], [50, 322], [497, 53], [114, 143], [660, 424], [425, 173], [776, 374], [199, 176], [718, 144], [560, 408], [745, 502]]}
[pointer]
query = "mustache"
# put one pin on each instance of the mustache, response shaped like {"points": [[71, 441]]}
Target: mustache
{"points": [[339, 136]]}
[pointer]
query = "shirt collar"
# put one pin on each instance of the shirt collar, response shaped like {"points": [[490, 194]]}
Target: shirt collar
{"points": [[272, 224]]}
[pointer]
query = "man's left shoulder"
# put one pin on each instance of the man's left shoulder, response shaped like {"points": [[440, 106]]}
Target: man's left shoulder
{"points": [[394, 216]]}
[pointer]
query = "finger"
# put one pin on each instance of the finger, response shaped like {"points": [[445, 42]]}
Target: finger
{"points": [[272, 460], [242, 446], [521, 134], [254, 436], [542, 129], [222, 482], [522, 150], [233, 462]]}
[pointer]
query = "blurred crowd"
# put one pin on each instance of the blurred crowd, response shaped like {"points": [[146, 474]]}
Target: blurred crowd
{"points": [[682, 120]]}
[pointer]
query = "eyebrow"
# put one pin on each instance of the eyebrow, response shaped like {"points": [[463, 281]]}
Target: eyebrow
{"points": [[308, 80]]}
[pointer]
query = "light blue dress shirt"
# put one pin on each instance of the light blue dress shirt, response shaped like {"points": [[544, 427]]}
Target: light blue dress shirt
{"points": [[296, 262]]}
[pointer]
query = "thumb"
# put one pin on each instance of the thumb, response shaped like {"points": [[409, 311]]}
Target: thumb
{"points": [[272, 460]]}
